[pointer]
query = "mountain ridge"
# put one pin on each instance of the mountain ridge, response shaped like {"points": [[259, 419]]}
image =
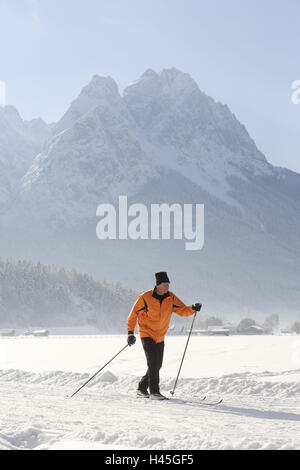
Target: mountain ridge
{"points": [[163, 140]]}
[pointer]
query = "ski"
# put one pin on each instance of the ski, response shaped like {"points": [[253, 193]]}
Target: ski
{"points": [[212, 403], [217, 402], [202, 401]]}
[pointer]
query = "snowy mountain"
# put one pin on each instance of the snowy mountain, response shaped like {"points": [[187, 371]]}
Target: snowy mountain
{"points": [[19, 142], [164, 140], [190, 132], [36, 294], [94, 155]]}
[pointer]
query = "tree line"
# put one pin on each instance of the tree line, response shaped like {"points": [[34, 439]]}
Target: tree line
{"points": [[34, 294]]}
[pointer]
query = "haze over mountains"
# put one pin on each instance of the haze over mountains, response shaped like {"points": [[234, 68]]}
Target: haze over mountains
{"points": [[19, 142], [163, 140]]}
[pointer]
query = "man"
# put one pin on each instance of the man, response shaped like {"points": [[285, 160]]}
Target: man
{"points": [[152, 311]]}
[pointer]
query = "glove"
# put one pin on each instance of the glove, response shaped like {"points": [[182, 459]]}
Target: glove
{"points": [[197, 307], [131, 339]]}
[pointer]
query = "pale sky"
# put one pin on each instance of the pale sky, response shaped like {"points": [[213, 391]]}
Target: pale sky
{"points": [[244, 53]]}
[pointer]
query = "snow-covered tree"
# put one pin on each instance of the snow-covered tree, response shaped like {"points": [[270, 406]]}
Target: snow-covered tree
{"points": [[35, 294]]}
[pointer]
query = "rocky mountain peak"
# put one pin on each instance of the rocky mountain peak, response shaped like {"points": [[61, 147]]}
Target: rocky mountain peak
{"points": [[101, 91]]}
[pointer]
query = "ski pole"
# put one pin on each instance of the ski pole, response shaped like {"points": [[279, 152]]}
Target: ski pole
{"points": [[172, 393], [98, 371]]}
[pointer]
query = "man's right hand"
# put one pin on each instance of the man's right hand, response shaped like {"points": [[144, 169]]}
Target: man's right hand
{"points": [[131, 339]]}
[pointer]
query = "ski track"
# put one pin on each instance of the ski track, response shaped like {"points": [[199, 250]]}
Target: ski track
{"points": [[259, 411]]}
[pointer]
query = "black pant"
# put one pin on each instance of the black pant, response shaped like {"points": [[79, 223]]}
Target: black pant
{"points": [[154, 354]]}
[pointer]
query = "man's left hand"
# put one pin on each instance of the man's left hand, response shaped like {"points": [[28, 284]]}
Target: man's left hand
{"points": [[197, 307]]}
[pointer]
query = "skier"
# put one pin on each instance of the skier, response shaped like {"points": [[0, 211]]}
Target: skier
{"points": [[152, 311]]}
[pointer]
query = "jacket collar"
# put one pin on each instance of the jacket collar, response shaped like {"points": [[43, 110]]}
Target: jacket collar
{"points": [[159, 297]]}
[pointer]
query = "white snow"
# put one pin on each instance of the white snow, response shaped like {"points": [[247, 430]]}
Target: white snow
{"points": [[257, 377]]}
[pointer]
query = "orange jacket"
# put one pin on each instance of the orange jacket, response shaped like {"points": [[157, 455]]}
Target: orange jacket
{"points": [[153, 316]]}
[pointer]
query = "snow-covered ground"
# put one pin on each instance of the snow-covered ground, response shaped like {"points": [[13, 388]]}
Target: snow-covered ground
{"points": [[257, 377]]}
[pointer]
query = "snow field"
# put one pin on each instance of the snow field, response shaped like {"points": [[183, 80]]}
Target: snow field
{"points": [[257, 377]]}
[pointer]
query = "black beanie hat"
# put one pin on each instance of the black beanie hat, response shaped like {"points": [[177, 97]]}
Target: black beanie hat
{"points": [[161, 277]]}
